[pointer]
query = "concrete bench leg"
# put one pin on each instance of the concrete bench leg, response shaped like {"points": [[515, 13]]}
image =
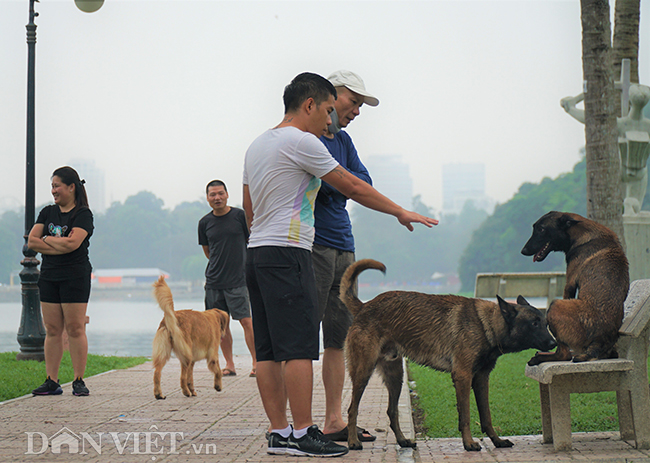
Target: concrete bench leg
{"points": [[560, 401], [640, 406], [547, 425], [625, 422]]}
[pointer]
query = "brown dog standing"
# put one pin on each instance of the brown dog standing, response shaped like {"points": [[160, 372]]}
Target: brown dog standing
{"points": [[597, 272], [455, 334], [192, 335]]}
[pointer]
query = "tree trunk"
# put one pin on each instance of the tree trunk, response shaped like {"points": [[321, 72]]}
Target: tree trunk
{"points": [[626, 42], [604, 200]]}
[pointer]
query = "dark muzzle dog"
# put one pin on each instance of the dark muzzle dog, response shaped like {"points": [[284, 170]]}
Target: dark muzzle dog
{"points": [[585, 328], [449, 333]]}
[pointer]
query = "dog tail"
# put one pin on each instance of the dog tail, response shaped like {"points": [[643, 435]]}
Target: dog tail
{"points": [[348, 283], [163, 295]]}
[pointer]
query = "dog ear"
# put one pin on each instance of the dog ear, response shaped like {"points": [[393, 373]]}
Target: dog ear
{"points": [[522, 301], [508, 311], [565, 222]]}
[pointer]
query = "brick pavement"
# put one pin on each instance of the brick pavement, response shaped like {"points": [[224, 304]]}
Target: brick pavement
{"points": [[122, 422]]}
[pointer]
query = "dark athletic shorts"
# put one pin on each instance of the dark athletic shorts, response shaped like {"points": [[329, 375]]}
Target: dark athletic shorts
{"points": [[234, 301], [67, 291], [329, 266], [283, 298]]}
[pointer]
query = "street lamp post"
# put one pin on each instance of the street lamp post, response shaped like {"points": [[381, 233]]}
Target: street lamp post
{"points": [[31, 333]]}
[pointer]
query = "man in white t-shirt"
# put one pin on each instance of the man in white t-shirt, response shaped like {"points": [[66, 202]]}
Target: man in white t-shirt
{"points": [[282, 172]]}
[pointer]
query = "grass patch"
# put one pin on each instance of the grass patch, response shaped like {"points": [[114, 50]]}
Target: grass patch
{"points": [[19, 377], [514, 402]]}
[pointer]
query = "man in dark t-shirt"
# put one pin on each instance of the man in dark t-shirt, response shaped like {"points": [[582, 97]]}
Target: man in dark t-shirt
{"points": [[223, 234]]}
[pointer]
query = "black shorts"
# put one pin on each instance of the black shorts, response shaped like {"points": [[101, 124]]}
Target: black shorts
{"points": [[76, 290], [283, 298]]}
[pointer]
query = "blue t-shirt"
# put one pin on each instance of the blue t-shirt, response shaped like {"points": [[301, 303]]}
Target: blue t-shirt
{"points": [[332, 222]]}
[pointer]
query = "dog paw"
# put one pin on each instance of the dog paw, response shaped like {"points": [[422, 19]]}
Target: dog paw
{"points": [[407, 443], [355, 446], [472, 446], [502, 443], [534, 361]]}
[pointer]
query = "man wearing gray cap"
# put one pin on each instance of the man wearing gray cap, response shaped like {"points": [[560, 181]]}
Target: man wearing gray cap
{"points": [[333, 249]]}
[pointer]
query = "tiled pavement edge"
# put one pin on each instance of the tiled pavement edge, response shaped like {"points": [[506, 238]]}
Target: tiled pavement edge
{"points": [[122, 422]]}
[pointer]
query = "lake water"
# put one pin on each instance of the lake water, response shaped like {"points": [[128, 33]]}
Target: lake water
{"points": [[120, 327], [115, 328]]}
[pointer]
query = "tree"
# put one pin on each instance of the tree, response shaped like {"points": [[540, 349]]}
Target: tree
{"points": [[604, 200], [132, 234], [626, 41], [140, 233], [187, 259]]}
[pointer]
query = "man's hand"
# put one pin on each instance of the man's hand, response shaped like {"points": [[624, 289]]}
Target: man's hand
{"points": [[406, 218]]}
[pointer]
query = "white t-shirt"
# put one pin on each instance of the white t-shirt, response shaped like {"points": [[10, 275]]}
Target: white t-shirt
{"points": [[282, 169]]}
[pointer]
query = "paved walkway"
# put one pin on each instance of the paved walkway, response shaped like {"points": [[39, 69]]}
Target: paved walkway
{"points": [[122, 422]]}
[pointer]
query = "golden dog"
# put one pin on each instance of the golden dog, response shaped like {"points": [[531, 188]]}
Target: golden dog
{"points": [[192, 335]]}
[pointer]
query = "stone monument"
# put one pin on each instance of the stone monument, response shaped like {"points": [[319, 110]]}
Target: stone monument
{"points": [[634, 148]]}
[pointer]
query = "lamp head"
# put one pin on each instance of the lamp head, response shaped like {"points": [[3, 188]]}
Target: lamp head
{"points": [[89, 6]]}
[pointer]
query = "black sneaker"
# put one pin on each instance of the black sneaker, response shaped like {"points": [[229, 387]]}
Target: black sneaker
{"points": [[49, 387], [314, 444], [79, 387], [277, 444]]}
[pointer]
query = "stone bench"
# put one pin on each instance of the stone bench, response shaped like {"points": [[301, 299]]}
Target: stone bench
{"points": [[627, 375]]}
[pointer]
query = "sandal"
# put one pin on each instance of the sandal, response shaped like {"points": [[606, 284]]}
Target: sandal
{"points": [[228, 372]]}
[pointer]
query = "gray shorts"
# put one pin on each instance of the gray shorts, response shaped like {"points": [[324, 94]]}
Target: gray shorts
{"points": [[235, 301], [329, 266]]}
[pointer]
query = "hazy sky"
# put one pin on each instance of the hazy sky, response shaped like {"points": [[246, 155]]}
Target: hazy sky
{"points": [[167, 95]]}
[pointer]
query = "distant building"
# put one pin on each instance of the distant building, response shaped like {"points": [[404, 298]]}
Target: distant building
{"points": [[95, 183], [391, 176], [462, 183], [127, 276]]}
